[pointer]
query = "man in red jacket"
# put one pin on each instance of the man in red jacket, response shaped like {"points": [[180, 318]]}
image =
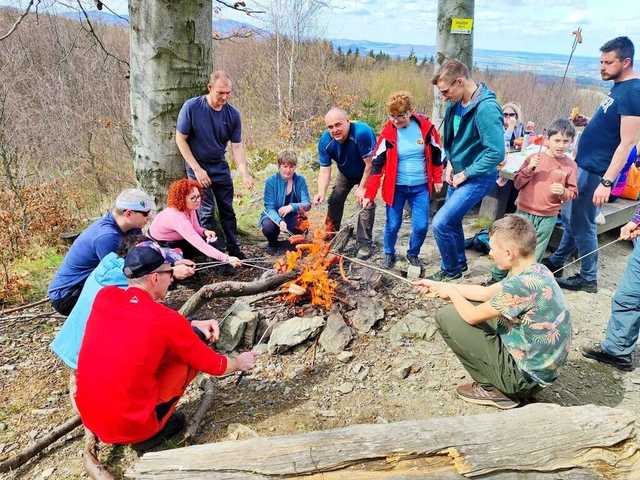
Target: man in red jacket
{"points": [[138, 357]]}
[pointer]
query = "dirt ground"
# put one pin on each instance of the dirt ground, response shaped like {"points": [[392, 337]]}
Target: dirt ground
{"points": [[304, 390]]}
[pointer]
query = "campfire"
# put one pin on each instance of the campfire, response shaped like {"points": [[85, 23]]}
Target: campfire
{"points": [[313, 259]]}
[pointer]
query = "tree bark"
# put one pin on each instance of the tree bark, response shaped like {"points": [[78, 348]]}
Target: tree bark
{"points": [[451, 45], [233, 289], [540, 441], [171, 60]]}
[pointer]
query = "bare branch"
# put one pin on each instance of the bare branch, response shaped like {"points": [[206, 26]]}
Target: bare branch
{"points": [[241, 33], [109, 9], [95, 36], [240, 6], [18, 21]]}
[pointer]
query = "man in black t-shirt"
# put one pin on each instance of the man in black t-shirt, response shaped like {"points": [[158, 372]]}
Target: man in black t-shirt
{"points": [[602, 153], [206, 124]]}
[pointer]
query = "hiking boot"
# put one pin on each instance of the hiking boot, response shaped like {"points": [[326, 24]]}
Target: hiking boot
{"points": [[476, 393], [364, 252], [595, 352], [389, 261], [174, 425], [577, 284], [442, 276], [553, 267], [273, 250], [414, 260]]}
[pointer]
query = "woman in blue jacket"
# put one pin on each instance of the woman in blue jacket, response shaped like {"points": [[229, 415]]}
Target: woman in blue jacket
{"points": [[286, 198]]}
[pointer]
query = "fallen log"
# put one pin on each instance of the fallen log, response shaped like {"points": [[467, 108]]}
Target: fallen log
{"points": [[539, 441], [35, 448], [233, 289]]}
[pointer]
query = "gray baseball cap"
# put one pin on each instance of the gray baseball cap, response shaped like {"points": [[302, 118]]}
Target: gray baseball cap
{"points": [[135, 199]]}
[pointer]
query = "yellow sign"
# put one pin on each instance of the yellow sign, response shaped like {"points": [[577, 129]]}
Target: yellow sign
{"points": [[462, 25]]}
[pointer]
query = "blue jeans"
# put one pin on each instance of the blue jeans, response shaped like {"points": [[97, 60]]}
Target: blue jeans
{"points": [[418, 198], [580, 229], [447, 223], [624, 324]]}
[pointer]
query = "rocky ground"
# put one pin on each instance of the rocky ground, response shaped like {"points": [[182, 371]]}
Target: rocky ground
{"points": [[399, 369]]}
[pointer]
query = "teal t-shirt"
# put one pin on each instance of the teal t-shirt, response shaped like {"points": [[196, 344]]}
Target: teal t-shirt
{"points": [[534, 323], [411, 170], [457, 117]]}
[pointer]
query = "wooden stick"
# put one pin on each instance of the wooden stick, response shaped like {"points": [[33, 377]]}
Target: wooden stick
{"points": [[24, 307], [32, 450], [377, 269], [203, 408]]}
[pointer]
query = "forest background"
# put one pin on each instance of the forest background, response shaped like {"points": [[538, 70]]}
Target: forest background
{"points": [[65, 142]]}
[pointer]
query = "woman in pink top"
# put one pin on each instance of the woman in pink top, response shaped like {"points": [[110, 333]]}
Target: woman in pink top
{"points": [[177, 225]]}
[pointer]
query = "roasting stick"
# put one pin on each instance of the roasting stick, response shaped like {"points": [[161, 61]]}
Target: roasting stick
{"points": [[587, 254], [377, 269]]}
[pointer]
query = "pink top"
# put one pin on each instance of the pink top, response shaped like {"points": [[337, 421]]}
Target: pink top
{"points": [[170, 225], [535, 196]]}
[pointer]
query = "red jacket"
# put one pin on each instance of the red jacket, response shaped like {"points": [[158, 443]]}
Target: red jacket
{"points": [[129, 342], [385, 159]]}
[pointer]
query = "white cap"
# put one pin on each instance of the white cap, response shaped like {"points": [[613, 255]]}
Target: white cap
{"points": [[135, 199]]}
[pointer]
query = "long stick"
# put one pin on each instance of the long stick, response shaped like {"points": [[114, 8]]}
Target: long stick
{"points": [[587, 254], [24, 307], [373, 267]]}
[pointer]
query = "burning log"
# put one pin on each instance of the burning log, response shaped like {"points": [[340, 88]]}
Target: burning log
{"points": [[233, 289]]}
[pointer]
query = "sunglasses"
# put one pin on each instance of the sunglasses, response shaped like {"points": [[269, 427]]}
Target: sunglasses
{"points": [[506, 114], [446, 90], [144, 214]]}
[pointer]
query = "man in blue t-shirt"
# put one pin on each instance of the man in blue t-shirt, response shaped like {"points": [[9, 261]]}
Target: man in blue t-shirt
{"points": [[206, 124], [130, 214], [603, 150], [349, 145]]}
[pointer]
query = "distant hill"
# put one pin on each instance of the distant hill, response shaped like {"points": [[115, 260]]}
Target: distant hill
{"points": [[586, 70]]}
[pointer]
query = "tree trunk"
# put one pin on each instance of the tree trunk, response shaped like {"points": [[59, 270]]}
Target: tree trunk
{"points": [[171, 60], [540, 441], [451, 45]]}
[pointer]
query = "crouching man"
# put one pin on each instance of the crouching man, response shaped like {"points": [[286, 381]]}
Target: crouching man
{"points": [[138, 357], [512, 342]]}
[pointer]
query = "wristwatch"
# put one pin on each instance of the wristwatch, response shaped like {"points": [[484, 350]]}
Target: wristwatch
{"points": [[606, 183]]}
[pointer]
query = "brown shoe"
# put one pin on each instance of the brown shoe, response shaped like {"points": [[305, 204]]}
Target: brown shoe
{"points": [[476, 393]]}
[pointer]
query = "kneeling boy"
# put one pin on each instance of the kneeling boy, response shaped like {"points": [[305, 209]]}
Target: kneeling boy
{"points": [[512, 358]]}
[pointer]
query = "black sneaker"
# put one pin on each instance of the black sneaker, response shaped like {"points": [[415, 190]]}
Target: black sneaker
{"points": [[236, 252], [595, 352], [577, 284], [174, 425], [414, 260], [464, 268], [442, 276], [389, 261], [555, 269]]}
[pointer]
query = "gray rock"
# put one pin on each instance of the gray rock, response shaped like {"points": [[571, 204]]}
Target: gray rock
{"points": [[233, 327], [327, 413], [362, 373], [7, 368], [345, 357], [3, 426], [336, 334], [415, 325], [367, 314], [344, 388], [293, 332], [46, 473], [238, 431], [413, 272]]}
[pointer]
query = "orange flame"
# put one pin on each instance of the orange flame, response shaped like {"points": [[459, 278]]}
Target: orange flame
{"points": [[313, 260]]}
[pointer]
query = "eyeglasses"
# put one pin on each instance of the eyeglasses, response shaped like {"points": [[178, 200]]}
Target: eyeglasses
{"points": [[167, 271], [401, 116], [446, 90], [194, 198], [507, 114], [144, 214]]}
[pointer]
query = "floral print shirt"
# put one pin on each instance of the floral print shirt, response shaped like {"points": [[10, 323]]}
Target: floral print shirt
{"points": [[534, 322]]}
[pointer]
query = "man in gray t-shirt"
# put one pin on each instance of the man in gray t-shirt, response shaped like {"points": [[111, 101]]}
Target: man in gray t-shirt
{"points": [[206, 124]]}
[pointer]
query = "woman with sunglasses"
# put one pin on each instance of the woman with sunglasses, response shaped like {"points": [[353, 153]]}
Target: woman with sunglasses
{"points": [[407, 155], [177, 226], [513, 125]]}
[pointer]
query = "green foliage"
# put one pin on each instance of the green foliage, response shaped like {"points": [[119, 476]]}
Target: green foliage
{"points": [[371, 113], [482, 222], [260, 158], [412, 59], [37, 266]]}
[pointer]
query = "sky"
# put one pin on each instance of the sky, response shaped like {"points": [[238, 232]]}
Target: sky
{"points": [[543, 26]]}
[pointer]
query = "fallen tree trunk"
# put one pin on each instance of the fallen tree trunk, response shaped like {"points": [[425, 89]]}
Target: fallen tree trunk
{"points": [[233, 289], [540, 441], [37, 447]]}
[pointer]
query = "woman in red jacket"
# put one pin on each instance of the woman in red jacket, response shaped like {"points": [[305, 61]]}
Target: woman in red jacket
{"points": [[408, 156]]}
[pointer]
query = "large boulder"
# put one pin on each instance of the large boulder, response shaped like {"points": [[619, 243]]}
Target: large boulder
{"points": [[233, 327], [336, 335], [367, 314], [294, 331]]}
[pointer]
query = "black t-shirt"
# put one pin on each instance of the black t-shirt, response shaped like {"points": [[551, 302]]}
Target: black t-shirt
{"points": [[601, 137]]}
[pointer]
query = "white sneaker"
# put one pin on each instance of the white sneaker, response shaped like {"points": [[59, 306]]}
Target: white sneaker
{"points": [[600, 220]]}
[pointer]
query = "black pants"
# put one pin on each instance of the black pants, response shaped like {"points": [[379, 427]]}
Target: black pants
{"points": [[271, 230], [217, 204], [65, 304]]}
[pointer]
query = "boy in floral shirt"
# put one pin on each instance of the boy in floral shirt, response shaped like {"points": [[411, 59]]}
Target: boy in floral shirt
{"points": [[514, 341]]}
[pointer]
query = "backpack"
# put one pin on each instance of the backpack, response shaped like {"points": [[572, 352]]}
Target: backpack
{"points": [[479, 242]]}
